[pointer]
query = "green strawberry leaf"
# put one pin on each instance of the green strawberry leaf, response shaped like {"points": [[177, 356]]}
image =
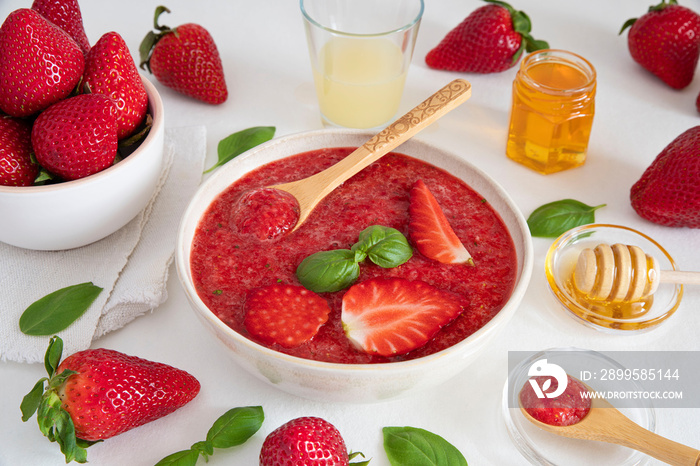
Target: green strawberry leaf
{"points": [[231, 429], [235, 426], [555, 218], [386, 247], [30, 402], [52, 358], [412, 446], [56, 311], [328, 271], [239, 142]]}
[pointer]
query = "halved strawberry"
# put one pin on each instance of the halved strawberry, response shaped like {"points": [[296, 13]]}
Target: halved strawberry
{"points": [[392, 316], [430, 231], [288, 315]]}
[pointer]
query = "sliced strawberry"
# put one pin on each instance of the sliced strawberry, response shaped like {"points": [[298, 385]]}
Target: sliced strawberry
{"points": [[430, 231], [288, 315], [392, 316]]}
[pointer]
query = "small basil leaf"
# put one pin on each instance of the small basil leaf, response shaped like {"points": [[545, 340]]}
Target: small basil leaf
{"points": [[180, 458], [56, 311], [553, 219], [386, 247], [236, 426], [239, 142], [406, 446], [328, 271]]}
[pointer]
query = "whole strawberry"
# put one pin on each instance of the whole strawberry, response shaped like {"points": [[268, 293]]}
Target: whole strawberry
{"points": [[490, 40], [668, 193], [66, 15], [39, 63], [185, 59], [16, 166], [110, 70], [305, 441], [666, 42], [76, 137], [99, 393]]}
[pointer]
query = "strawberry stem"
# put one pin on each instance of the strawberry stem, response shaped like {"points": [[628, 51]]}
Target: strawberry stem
{"points": [[522, 25], [152, 38]]}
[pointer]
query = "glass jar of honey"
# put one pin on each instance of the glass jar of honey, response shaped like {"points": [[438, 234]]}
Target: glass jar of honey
{"points": [[552, 112]]}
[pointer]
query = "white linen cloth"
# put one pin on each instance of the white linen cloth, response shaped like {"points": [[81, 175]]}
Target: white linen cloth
{"points": [[131, 265]]}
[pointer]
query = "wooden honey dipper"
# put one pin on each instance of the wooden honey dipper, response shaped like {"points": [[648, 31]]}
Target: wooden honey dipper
{"points": [[623, 273]]}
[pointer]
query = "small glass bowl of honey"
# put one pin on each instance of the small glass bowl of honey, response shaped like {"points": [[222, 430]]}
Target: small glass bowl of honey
{"points": [[609, 315]]}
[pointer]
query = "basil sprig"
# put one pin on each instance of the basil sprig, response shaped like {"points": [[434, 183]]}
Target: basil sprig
{"points": [[56, 311], [553, 219], [233, 428], [329, 271], [417, 447]]}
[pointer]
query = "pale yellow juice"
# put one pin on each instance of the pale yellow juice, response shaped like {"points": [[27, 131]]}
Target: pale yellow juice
{"points": [[359, 82]]}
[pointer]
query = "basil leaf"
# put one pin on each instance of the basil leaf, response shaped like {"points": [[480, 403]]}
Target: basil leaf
{"points": [[56, 311], [236, 426], [328, 271], [553, 219], [406, 446], [237, 143], [386, 247], [180, 458]]}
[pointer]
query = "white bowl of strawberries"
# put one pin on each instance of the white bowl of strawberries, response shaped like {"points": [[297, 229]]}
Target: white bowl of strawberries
{"points": [[395, 283], [80, 152]]}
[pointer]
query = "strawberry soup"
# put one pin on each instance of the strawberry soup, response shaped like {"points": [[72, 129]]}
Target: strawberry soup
{"points": [[227, 265]]}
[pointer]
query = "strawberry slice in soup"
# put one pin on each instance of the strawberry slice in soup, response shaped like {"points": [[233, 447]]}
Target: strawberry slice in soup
{"points": [[392, 316], [430, 230], [288, 315]]}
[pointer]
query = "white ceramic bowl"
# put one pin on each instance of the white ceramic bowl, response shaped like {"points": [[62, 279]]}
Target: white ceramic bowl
{"points": [[76, 213], [352, 382]]}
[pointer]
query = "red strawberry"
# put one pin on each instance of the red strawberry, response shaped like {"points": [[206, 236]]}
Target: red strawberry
{"points": [[66, 15], [305, 441], [490, 40], [110, 70], [76, 137], [288, 315], [185, 59], [99, 393], [430, 230], [265, 213], [668, 193], [393, 316], [666, 42], [39, 63], [16, 166]]}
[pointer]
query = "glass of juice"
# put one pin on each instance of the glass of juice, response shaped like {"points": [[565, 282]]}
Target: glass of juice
{"points": [[360, 52], [552, 112]]}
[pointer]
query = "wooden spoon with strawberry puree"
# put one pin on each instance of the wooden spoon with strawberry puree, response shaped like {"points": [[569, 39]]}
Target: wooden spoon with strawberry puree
{"points": [[310, 191], [604, 423]]}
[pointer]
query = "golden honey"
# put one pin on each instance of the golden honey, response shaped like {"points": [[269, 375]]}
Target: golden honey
{"points": [[552, 111]]}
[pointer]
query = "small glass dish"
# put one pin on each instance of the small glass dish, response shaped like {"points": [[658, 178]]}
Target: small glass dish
{"points": [[561, 260], [544, 448]]}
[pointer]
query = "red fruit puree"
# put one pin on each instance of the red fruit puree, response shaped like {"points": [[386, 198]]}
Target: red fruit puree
{"points": [[564, 410], [226, 264]]}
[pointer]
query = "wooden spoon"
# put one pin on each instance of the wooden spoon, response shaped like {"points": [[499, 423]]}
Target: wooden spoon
{"points": [[605, 423], [310, 191], [623, 273]]}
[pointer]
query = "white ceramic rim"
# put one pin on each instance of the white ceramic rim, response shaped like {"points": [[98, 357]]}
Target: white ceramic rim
{"points": [[155, 105], [184, 272]]}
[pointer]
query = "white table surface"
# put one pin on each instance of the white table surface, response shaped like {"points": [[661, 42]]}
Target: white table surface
{"points": [[263, 48]]}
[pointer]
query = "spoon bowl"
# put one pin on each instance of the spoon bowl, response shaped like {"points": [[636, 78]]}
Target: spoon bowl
{"points": [[310, 191]]}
